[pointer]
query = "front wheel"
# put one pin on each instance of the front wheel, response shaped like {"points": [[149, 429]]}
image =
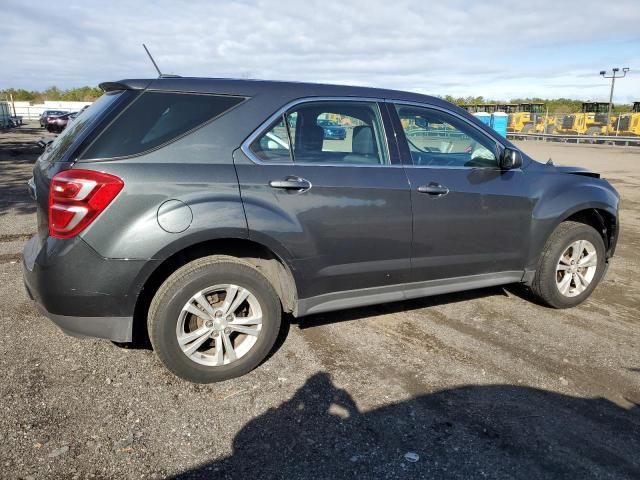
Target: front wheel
{"points": [[571, 265], [214, 319]]}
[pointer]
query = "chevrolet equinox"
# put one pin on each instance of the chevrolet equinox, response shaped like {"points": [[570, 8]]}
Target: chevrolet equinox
{"points": [[197, 211]]}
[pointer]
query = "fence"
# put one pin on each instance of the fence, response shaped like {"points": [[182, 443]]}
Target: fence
{"points": [[592, 139], [28, 111], [587, 124]]}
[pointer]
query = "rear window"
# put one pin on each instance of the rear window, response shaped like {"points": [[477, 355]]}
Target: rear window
{"points": [[81, 123], [157, 118]]}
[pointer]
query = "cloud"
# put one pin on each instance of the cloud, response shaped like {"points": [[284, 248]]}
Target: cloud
{"points": [[459, 47]]}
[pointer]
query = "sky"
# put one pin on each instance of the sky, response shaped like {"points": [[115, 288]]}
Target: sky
{"points": [[498, 49]]}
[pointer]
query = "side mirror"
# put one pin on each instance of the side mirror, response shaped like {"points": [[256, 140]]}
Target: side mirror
{"points": [[510, 159]]}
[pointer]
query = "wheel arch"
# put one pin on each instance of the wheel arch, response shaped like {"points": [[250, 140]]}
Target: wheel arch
{"points": [[599, 215], [268, 262], [605, 223]]}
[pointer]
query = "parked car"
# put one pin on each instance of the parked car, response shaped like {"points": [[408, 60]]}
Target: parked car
{"points": [[332, 131], [191, 211], [58, 124], [47, 114]]}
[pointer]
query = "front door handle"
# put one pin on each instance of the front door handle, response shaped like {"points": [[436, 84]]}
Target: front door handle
{"points": [[434, 189], [291, 183]]}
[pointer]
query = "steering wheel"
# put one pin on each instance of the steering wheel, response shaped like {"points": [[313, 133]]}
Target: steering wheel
{"points": [[423, 150]]}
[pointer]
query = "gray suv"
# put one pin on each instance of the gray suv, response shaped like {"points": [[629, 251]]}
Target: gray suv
{"points": [[194, 212]]}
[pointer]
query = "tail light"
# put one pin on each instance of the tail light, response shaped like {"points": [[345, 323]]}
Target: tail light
{"points": [[77, 197]]}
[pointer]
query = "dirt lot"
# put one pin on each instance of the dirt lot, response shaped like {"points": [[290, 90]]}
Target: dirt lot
{"points": [[479, 384]]}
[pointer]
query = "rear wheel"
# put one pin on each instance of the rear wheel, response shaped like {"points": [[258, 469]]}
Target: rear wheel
{"points": [[214, 319], [571, 265]]}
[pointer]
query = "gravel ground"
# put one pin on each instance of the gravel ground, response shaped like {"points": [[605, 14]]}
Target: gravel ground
{"points": [[471, 385]]}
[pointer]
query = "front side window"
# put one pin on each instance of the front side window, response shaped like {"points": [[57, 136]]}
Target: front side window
{"points": [[326, 132], [156, 118], [438, 139]]}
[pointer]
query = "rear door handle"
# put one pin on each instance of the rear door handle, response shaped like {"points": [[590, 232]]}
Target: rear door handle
{"points": [[434, 189], [291, 183]]}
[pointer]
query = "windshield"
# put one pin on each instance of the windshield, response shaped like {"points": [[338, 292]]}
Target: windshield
{"points": [[58, 147]]}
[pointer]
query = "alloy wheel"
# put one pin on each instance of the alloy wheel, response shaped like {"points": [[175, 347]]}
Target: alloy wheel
{"points": [[219, 325]]}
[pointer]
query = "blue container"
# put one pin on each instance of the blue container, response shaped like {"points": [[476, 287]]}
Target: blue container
{"points": [[499, 123], [484, 117]]}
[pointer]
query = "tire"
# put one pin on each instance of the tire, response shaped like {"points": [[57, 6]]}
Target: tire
{"points": [[547, 282], [167, 319]]}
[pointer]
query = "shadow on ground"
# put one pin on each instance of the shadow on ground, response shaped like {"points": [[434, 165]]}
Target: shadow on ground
{"points": [[17, 158], [497, 431]]}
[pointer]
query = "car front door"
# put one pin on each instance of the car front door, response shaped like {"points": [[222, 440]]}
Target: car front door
{"points": [[322, 188], [469, 216]]}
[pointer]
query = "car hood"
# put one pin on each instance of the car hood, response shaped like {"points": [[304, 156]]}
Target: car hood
{"points": [[577, 171]]}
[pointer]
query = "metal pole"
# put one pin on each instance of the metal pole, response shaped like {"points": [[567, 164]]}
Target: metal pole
{"points": [[613, 83], [618, 124], [613, 76]]}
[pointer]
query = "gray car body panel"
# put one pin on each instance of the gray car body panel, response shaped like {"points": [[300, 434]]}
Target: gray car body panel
{"points": [[360, 235]]}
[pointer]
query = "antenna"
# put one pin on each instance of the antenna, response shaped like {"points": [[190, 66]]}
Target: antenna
{"points": [[152, 61]]}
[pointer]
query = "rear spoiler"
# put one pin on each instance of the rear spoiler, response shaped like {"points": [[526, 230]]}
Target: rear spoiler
{"points": [[138, 84]]}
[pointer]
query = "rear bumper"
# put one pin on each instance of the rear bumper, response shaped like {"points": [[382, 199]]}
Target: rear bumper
{"points": [[80, 291], [118, 329]]}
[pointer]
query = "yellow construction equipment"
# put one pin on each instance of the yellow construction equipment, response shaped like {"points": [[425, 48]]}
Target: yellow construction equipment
{"points": [[526, 118], [592, 120], [629, 122]]}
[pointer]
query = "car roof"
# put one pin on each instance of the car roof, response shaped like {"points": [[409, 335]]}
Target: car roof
{"points": [[251, 88]]}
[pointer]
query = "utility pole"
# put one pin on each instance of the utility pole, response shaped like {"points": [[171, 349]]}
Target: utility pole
{"points": [[613, 77]]}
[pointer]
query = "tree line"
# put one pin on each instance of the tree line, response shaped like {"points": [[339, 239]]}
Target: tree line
{"points": [[80, 94], [89, 94]]}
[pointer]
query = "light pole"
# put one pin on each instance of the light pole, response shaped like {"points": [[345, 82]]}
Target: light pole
{"points": [[613, 77]]}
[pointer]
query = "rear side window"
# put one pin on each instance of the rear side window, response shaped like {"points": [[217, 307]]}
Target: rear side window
{"points": [[326, 132], [156, 118]]}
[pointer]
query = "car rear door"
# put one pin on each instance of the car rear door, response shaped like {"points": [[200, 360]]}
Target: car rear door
{"points": [[338, 210], [469, 216]]}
